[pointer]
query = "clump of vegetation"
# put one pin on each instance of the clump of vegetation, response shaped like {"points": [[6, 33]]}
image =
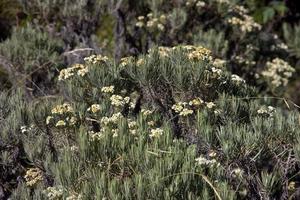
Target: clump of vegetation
{"points": [[34, 64], [191, 103]]}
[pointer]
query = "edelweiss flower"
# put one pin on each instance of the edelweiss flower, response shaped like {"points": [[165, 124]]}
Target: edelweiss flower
{"points": [[140, 62], [60, 123], [151, 123], [132, 124], [186, 112], [237, 172], [94, 59], [62, 109], [125, 61], [83, 72], [73, 121], [95, 108], [237, 79], [178, 107], [246, 23], [200, 53], [203, 161], [210, 105], [115, 132], [146, 112], [33, 176], [54, 193], [141, 18], [270, 110], [49, 119], [117, 100], [200, 4], [96, 136], [69, 72], [278, 72], [155, 133], [219, 63], [196, 102]]}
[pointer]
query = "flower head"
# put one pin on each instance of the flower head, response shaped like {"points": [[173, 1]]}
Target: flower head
{"points": [[156, 133]]}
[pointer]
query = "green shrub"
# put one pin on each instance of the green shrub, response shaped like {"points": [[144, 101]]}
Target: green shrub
{"points": [[160, 126], [172, 121], [34, 58]]}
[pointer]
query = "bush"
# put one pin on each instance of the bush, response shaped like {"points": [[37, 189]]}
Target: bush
{"points": [[186, 101], [35, 62], [158, 126]]}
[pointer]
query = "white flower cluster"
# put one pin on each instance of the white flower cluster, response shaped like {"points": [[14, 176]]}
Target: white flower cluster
{"points": [[132, 125], [244, 22], [72, 120], [219, 63], [195, 53], [181, 108], [49, 119], [118, 101], [196, 102], [74, 148], [155, 133], [151, 123], [185, 109], [164, 51], [210, 105], [216, 72], [115, 132], [95, 136], [213, 106], [108, 89], [237, 79], [62, 109], [74, 197], [94, 108], [108, 124], [199, 53], [94, 59], [237, 172], [25, 129], [151, 22], [198, 3], [146, 112], [54, 193], [126, 60], [282, 46], [216, 69], [33, 176], [79, 69], [140, 62], [186, 112], [223, 1], [114, 119], [241, 10], [206, 162], [266, 111], [242, 60], [60, 123], [278, 72]]}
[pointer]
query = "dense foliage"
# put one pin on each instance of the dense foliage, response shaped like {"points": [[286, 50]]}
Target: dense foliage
{"points": [[149, 99]]}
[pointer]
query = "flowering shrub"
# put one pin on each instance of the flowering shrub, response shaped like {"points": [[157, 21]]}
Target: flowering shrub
{"points": [[163, 119], [277, 73], [227, 23], [166, 122]]}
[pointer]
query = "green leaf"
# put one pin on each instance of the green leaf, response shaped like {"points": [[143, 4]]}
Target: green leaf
{"points": [[268, 14]]}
